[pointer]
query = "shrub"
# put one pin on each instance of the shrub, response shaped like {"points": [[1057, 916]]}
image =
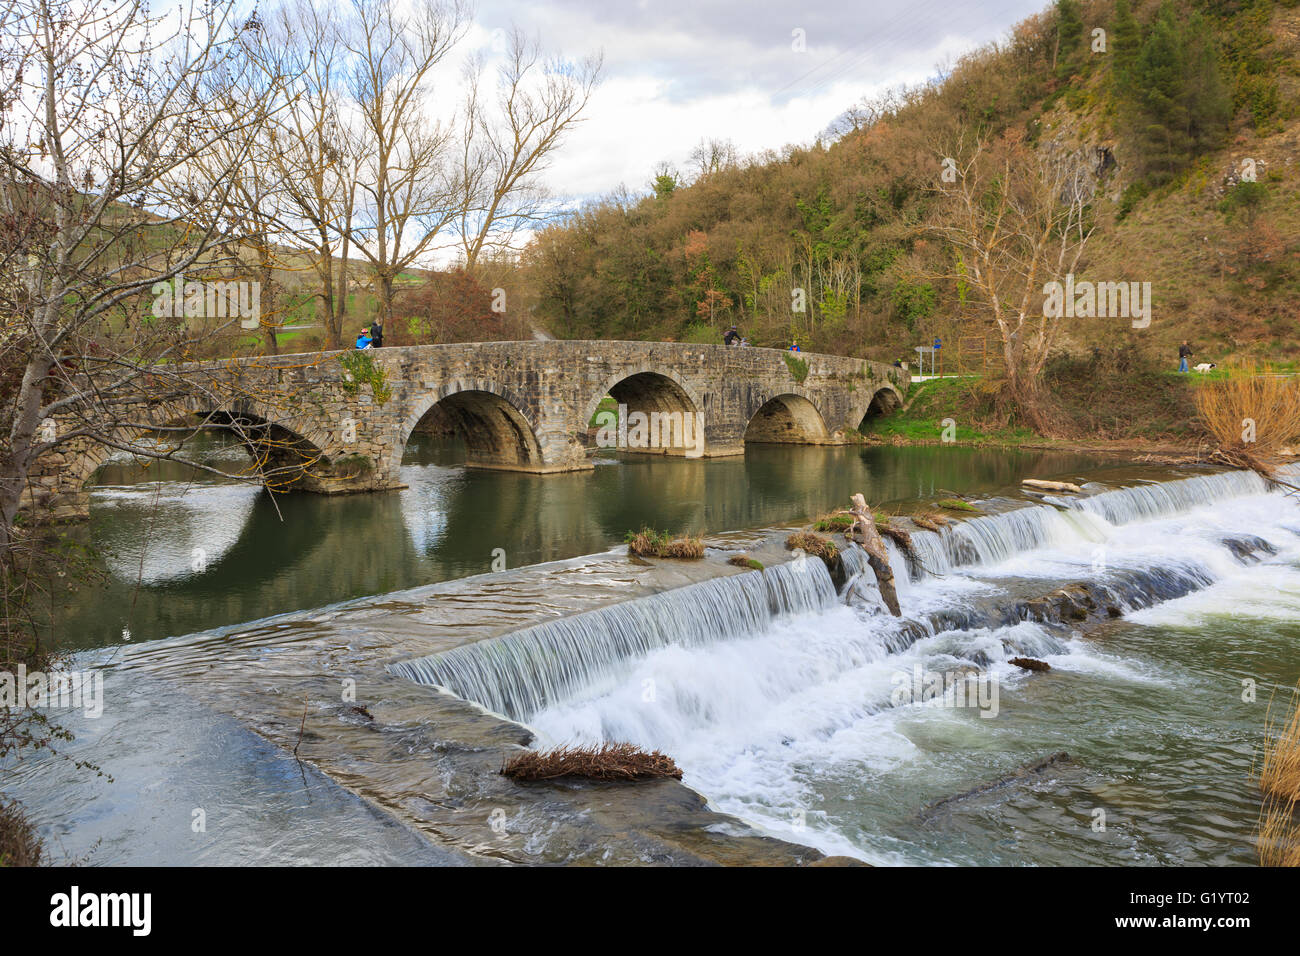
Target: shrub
{"points": [[798, 367], [361, 367], [1251, 414], [745, 561]]}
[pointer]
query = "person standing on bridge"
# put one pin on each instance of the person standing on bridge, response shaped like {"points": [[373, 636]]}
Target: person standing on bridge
{"points": [[377, 334], [363, 340], [794, 346], [731, 336]]}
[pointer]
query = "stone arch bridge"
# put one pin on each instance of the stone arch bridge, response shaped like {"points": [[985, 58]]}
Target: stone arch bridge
{"points": [[338, 422]]}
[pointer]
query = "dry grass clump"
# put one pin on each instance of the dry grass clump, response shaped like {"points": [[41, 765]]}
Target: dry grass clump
{"points": [[649, 543], [1252, 414], [19, 843], [1278, 843], [814, 545], [1279, 776], [1279, 779], [929, 520], [603, 762], [646, 542], [683, 548], [745, 561]]}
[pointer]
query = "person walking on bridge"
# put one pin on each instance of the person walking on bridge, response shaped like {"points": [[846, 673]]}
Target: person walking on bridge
{"points": [[731, 336]]}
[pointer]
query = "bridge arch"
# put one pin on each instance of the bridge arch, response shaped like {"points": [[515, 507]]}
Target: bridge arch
{"points": [[278, 452], [788, 418], [490, 418], [664, 398], [885, 399]]}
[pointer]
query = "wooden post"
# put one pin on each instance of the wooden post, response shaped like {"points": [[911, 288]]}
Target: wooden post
{"points": [[877, 553]]}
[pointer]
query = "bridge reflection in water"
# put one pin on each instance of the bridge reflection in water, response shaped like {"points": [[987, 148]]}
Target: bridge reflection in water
{"points": [[184, 553]]}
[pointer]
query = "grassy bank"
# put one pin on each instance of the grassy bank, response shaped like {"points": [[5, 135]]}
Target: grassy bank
{"points": [[1098, 401]]}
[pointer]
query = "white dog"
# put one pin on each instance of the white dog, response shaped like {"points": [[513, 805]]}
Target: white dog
{"points": [[1204, 367]]}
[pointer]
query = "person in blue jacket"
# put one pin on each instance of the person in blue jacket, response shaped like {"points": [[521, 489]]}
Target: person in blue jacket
{"points": [[364, 340]]}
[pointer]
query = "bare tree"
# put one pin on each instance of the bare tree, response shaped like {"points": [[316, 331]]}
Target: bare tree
{"points": [[1017, 221], [712, 156], [316, 160], [106, 113], [505, 146], [407, 193]]}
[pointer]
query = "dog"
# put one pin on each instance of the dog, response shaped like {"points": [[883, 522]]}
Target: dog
{"points": [[1204, 367]]}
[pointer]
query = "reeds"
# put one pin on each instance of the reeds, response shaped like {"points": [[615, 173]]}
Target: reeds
{"points": [[1252, 414], [609, 761], [1279, 780]]}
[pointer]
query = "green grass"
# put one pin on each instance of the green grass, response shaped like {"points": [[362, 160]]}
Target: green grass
{"points": [[607, 404], [833, 523], [955, 504], [932, 402]]}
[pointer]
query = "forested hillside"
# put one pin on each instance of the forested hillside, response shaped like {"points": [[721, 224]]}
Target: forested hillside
{"points": [[1181, 115]]}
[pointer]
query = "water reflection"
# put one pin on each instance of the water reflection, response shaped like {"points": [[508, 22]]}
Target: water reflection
{"points": [[185, 552]]}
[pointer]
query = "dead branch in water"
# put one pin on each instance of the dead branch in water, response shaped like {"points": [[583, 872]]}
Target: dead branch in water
{"points": [[877, 554], [604, 762]]}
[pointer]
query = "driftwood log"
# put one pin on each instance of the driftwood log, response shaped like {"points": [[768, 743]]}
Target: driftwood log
{"points": [[1052, 485], [877, 554]]}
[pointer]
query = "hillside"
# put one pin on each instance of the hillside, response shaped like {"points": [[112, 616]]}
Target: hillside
{"points": [[1187, 102]]}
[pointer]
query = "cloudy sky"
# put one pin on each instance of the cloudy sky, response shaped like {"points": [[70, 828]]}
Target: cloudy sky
{"points": [[678, 71]]}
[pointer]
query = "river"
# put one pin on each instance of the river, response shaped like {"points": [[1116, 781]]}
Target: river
{"points": [[224, 614]]}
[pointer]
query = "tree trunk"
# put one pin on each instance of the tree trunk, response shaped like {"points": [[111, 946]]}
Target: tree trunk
{"points": [[877, 553]]}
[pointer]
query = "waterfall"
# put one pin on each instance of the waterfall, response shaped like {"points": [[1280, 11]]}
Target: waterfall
{"points": [[990, 539], [524, 672], [1143, 502], [520, 673]]}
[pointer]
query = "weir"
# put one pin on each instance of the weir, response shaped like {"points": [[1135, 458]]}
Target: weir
{"points": [[520, 673], [990, 539]]}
